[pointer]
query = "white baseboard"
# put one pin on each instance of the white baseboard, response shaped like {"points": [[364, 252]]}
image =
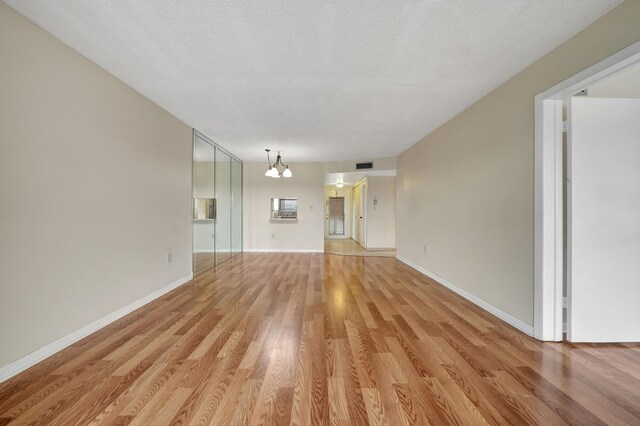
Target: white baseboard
{"points": [[38, 355], [275, 250], [504, 316]]}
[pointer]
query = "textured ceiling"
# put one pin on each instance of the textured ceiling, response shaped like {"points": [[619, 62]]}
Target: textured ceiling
{"points": [[321, 80]]}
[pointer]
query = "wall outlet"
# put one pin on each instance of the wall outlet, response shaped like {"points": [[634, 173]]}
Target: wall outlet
{"points": [[273, 236], [169, 257]]}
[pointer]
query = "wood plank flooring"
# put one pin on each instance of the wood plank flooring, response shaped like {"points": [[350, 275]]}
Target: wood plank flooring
{"points": [[322, 339], [348, 247], [203, 262]]}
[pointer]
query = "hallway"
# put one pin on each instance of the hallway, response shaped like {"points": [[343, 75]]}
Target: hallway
{"points": [[312, 339], [348, 247]]}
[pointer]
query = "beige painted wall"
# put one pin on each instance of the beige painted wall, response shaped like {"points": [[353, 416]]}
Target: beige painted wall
{"points": [[95, 189], [466, 190], [386, 163], [381, 217], [307, 185]]}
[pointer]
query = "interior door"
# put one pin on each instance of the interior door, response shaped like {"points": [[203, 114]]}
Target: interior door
{"points": [[603, 220], [356, 213], [363, 214]]}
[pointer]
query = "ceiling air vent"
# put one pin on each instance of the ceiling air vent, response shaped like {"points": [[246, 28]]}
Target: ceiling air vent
{"points": [[364, 166]]}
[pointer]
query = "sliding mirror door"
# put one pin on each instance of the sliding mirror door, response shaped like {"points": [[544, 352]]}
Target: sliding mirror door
{"points": [[204, 207], [223, 198], [236, 206], [217, 204]]}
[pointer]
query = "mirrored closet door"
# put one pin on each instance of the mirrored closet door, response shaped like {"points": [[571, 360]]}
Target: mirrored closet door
{"points": [[217, 204], [223, 195], [236, 206]]}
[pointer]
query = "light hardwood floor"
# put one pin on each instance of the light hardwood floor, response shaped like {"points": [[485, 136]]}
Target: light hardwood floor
{"points": [[202, 262], [322, 339], [348, 247]]}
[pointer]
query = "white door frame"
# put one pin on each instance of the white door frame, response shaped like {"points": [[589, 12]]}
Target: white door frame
{"points": [[355, 212], [361, 210], [548, 187], [363, 202]]}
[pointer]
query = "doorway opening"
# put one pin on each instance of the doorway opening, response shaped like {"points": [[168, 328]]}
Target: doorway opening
{"points": [[584, 191], [360, 213]]}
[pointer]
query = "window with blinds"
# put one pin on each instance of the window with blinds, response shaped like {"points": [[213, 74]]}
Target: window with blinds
{"points": [[336, 215]]}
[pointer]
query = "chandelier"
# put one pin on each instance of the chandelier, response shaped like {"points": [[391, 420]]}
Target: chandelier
{"points": [[274, 169]]}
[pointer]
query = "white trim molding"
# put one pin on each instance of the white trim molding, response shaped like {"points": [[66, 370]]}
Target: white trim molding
{"points": [[548, 217], [38, 355], [504, 316], [275, 250], [548, 190]]}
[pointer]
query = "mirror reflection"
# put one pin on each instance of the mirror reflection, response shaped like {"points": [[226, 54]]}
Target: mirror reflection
{"points": [[217, 205]]}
